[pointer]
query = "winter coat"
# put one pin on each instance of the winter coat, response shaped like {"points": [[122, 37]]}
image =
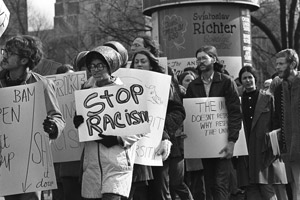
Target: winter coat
{"points": [[287, 115], [108, 170], [52, 106], [251, 168], [221, 86]]}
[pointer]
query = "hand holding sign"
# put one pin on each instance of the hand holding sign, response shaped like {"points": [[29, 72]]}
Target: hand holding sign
{"points": [[77, 120], [228, 150], [108, 140], [164, 149], [50, 127]]}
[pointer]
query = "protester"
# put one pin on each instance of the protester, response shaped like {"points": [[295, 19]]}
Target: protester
{"points": [[191, 69], [159, 186], [79, 63], [68, 174], [65, 68], [211, 83], [184, 80], [141, 173], [105, 175], [194, 175], [287, 112], [20, 55], [145, 42], [259, 170]]}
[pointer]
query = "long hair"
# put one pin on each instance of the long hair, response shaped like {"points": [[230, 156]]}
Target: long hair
{"points": [[212, 52], [150, 44], [153, 61]]}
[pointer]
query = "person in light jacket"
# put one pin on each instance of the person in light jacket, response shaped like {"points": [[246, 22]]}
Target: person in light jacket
{"points": [[108, 162]]}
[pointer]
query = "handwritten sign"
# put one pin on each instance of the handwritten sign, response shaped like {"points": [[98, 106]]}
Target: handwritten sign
{"points": [[67, 147], [4, 17], [178, 65], [157, 87], [26, 163], [113, 110], [206, 127]]}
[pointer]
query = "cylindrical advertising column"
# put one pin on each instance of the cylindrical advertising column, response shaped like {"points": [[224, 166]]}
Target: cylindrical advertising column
{"points": [[181, 27]]}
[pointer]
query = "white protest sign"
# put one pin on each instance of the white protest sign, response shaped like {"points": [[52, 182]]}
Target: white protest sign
{"points": [[67, 147], [206, 127], [26, 160], [157, 86], [4, 17], [113, 110]]}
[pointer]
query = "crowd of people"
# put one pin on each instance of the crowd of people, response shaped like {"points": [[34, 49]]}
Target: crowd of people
{"points": [[107, 171]]}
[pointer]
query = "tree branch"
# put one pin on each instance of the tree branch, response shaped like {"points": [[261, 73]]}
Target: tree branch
{"points": [[267, 31]]}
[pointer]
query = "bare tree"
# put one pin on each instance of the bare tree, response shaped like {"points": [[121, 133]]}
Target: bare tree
{"points": [[275, 26], [100, 21]]}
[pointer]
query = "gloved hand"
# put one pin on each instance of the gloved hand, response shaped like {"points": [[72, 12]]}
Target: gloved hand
{"points": [[108, 140], [164, 149], [77, 120], [50, 127]]}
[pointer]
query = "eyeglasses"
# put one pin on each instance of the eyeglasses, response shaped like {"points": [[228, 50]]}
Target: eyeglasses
{"points": [[99, 66], [8, 53], [200, 59]]}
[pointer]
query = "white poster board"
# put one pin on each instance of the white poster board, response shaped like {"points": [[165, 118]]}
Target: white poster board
{"points": [[67, 147], [206, 127], [158, 86], [113, 110], [4, 17], [26, 160]]}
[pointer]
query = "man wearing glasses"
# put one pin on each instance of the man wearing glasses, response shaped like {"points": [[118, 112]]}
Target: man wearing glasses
{"points": [[20, 55], [213, 83]]}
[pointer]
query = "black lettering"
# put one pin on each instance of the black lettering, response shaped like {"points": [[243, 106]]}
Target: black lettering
{"points": [[92, 124], [116, 117], [118, 95], [134, 93], [107, 97], [86, 105]]}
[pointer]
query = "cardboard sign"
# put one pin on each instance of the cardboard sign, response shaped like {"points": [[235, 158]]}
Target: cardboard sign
{"points": [[157, 87], [4, 17], [26, 163], [113, 110], [67, 147], [206, 127]]}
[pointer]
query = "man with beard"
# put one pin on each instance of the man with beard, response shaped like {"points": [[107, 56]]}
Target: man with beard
{"points": [[213, 83], [287, 113]]}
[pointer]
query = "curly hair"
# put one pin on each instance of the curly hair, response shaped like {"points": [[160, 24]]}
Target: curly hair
{"points": [[26, 46], [150, 44]]}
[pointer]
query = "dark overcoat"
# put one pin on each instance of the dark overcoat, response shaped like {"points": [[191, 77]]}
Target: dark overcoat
{"points": [[252, 168]]}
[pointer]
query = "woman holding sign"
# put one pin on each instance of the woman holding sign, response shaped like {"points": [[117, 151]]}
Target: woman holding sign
{"points": [[161, 185], [107, 162], [256, 172]]}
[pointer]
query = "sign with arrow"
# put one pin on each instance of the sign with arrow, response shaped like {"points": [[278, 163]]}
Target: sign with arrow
{"points": [[26, 163]]}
